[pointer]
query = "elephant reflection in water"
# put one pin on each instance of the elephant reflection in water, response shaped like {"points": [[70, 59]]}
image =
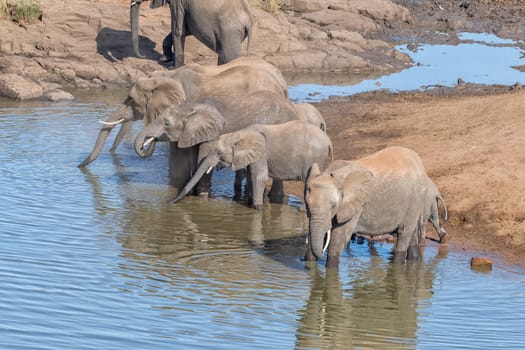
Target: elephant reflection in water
{"points": [[378, 310], [221, 238]]}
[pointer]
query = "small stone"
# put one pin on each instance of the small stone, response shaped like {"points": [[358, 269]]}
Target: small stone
{"points": [[481, 263], [59, 95]]}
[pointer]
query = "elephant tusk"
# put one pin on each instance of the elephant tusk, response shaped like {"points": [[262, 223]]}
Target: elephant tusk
{"points": [[120, 121], [209, 170], [307, 238], [327, 240], [148, 141]]}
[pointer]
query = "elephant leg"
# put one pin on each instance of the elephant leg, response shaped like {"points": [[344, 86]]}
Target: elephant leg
{"points": [[276, 193], [259, 175], [229, 48], [237, 186], [182, 164], [413, 250], [167, 48], [341, 236], [309, 255]]}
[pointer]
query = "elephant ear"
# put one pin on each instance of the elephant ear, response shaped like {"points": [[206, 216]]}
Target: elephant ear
{"points": [[247, 149], [203, 123], [165, 92], [355, 184]]}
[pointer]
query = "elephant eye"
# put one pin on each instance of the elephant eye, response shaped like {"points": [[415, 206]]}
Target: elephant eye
{"points": [[167, 122]]}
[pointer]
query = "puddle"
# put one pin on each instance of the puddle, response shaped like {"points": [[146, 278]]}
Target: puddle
{"points": [[478, 58]]}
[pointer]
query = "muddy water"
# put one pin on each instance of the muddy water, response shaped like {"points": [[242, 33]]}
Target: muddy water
{"points": [[97, 259]]}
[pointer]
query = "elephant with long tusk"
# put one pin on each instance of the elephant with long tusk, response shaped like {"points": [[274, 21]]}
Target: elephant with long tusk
{"points": [[191, 124], [151, 95]]}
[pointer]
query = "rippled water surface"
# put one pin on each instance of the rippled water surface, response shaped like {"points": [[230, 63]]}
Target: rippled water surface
{"points": [[97, 259]]}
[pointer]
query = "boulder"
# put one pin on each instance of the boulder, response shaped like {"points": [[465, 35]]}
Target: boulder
{"points": [[19, 88], [481, 263]]}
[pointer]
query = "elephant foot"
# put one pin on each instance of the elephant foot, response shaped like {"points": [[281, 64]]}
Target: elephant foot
{"points": [[443, 236], [399, 257], [164, 59]]}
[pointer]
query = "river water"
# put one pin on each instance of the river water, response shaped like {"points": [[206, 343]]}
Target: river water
{"points": [[96, 259]]}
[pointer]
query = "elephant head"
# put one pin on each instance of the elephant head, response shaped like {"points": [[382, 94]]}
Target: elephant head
{"points": [[147, 98], [333, 198], [236, 150], [134, 20], [187, 124]]}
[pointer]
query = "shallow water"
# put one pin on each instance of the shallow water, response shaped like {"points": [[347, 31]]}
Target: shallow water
{"points": [[477, 58], [97, 259]]}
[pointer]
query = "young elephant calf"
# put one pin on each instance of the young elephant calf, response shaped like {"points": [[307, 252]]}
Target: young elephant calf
{"points": [[282, 151], [388, 191]]}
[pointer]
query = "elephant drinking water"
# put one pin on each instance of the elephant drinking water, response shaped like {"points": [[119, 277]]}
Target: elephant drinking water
{"points": [[388, 191]]}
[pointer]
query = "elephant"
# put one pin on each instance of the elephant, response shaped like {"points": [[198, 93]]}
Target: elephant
{"points": [[149, 96], [190, 124], [280, 151], [387, 191], [221, 25], [310, 114]]}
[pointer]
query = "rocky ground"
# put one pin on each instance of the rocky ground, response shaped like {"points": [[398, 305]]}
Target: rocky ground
{"points": [[471, 138]]}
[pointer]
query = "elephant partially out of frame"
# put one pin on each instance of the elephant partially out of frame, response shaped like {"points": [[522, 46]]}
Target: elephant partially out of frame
{"points": [[191, 124], [150, 96], [221, 25], [388, 191], [281, 152]]}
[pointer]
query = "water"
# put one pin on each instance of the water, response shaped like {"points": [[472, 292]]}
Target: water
{"points": [[97, 259], [478, 58]]}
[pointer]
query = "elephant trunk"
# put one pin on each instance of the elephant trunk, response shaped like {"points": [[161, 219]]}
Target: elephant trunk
{"points": [[134, 20], [145, 143], [119, 117], [204, 168], [319, 236]]}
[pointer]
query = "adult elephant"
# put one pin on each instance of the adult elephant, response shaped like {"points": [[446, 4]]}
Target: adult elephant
{"points": [[151, 95], [387, 191], [191, 124], [221, 25]]}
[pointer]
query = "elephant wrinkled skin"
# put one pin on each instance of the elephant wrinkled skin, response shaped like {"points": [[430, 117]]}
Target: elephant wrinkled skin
{"points": [[281, 152], [221, 25], [190, 124], [388, 191], [150, 96]]}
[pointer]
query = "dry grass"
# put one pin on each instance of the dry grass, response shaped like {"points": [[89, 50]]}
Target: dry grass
{"points": [[21, 11], [272, 6]]}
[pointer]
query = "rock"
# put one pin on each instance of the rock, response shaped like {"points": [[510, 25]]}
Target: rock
{"points": [[481, 263], [309, 5], [58, 95], [18, 87]]}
